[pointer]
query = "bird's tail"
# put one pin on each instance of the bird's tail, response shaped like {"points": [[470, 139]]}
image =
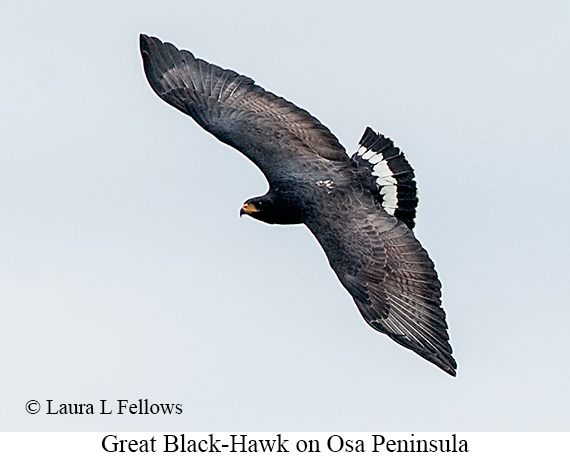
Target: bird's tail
{"points": [[394, 176]]}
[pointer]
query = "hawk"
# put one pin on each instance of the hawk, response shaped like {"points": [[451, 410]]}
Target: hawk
{"points": [[361, 209]]}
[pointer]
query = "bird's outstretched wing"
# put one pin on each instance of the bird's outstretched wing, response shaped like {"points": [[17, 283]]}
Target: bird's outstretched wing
{"points": [[268, 129], [388, 273]]}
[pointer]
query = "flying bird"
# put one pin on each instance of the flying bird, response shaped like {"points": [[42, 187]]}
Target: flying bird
{"points": [[361, 209]]}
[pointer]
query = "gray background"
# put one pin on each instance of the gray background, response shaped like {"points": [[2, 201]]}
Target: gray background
{"points": [[126, 273]]}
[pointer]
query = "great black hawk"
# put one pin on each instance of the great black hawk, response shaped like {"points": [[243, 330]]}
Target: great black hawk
{"points": [[361, 209]]}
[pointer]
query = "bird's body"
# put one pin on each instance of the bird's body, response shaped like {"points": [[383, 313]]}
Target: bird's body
{"points": [[361, 209]]}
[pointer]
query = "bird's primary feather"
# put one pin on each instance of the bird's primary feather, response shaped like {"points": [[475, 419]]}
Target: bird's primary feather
{"points": [[360, 209]]}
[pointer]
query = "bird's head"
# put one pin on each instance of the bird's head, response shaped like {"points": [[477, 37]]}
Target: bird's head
{"points": [[271, 210], [255, 207]]}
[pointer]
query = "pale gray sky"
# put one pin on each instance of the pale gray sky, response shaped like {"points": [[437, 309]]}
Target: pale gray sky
{"points": [[126, 272]]}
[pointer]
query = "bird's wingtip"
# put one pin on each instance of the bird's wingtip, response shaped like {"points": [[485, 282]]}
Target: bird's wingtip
{"points": [[143, 40]]}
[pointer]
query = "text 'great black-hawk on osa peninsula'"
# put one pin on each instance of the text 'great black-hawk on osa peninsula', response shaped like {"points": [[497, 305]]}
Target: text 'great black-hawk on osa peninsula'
{"points": [[361, 209]]}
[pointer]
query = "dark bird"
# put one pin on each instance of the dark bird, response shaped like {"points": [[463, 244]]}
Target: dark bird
{"points": [[361, 209]]}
